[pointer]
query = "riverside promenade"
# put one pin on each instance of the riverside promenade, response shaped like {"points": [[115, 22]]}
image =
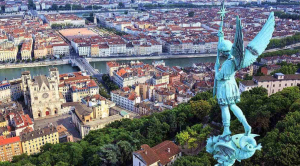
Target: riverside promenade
{"points": [[99, 59], [156, 57], [34, 64]]}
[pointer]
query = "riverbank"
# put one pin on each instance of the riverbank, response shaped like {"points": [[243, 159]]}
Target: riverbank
{"points": [[127, 58], [34, 64], [102, 59]]}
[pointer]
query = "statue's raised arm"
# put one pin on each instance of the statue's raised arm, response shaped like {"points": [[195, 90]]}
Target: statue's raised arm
{"points": [[246, 57]]}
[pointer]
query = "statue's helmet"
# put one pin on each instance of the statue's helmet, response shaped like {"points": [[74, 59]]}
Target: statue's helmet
{"points": [[225, 45]]}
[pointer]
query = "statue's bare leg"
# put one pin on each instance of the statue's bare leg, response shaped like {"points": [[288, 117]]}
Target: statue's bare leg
{"points": [[225, 120], [241, 117]]}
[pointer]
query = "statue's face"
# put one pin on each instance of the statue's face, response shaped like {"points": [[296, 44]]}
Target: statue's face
{"points": [[225, 53]]}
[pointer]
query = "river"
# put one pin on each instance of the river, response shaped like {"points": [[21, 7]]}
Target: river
{"points": [[101, 66]]}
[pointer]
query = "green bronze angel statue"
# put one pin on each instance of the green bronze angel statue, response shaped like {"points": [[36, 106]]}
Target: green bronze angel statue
{"points": [[226, 148], [238, 57]]}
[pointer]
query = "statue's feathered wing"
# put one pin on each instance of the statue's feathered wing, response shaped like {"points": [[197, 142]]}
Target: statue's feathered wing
{"points": [[245, 57]]}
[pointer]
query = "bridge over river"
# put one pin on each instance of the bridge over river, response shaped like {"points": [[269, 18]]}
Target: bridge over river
{"points": [[84, 65]]}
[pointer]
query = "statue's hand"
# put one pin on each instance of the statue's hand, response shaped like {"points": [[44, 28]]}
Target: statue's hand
{"points": [[217, 66], [221, 34]]}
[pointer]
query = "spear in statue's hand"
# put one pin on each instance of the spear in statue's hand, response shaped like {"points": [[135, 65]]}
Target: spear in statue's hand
{"points": [[222, 13]]}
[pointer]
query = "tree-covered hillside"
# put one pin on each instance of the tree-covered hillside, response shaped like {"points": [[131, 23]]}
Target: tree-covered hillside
{"points": [[276, 119]]}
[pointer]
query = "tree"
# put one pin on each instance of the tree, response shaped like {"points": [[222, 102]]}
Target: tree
{"points": [[193, 136], [181, 119], [121, 5], [281, 145], [109, 154], [68, 6], [286, 69], [62, 164], [191, 14], [54, 7], [275, 118], [76, 154], [182, 138], [200, 108], [125, 149], [202, 159]]}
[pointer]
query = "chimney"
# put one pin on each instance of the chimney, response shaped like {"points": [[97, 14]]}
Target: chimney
{"points": [[169, 150]]}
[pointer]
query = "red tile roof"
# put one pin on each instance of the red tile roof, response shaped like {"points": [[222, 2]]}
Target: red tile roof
{"points": [[160, 153], [9, 140]]}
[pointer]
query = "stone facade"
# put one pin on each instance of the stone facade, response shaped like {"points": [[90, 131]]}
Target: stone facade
{"points": [[41, 94]]}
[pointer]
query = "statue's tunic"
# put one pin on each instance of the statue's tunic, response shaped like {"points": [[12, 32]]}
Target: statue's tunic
{"points": [[227, 89]]}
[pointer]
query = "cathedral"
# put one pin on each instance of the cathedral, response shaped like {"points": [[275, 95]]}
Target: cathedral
{"points": [[41, 94]]}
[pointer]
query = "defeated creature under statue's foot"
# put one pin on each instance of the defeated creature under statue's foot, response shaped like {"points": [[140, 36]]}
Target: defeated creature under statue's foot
{"points": [[226, 150]]}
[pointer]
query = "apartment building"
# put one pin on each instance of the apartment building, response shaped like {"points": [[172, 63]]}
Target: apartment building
{"points": [[95, 50], [40, 51], [117, 47], [64, 19], [21, 122], [3, 126], [111, 67], [26, 49], [8, 51], [163, 95], [77, 85], [86, 118], [125, 78], [125, 98], [99, 105], [104, 50], [10, 112], [272, 83], [10, 147], [61, 49], [160, 78], [16, 89], [5, 92], [34, 140]]}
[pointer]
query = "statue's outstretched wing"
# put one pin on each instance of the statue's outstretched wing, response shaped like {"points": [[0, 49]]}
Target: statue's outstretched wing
{"points": [[258, 45], [238, 46]]}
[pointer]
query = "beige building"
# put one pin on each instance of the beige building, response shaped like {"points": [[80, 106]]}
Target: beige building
{"points": [[8, 51], [77, 85], [16, 89], [34, 140], [94, 50], [10, 147], [160, 78], [26, 49], [40, 52], [41, 94], [272, 83], [163, 95], [99, 105], [5, 92], [92, 117], [111, 67]]}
